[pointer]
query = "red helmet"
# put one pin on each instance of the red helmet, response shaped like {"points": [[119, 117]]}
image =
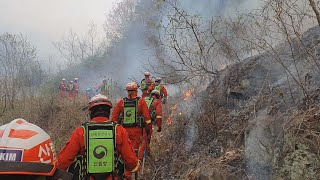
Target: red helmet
{"points": [[147, 73], [132, 86], [99, 100], [158, 79], [22, 143]]}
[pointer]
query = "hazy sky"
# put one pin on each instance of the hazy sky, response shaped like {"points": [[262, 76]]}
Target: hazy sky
{"points": [[209, 8], [43, 21]]}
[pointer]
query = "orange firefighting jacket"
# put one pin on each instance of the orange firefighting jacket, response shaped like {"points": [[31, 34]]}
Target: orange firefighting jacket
{"points": [[163, 91], [76, 87], [150, 85], [142, 110], [75, 146], [62, 86], [156, 105]]}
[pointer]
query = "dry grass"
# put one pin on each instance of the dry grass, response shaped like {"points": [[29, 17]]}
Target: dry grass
{"points": [[300, 157], [219, 134], [58, 117]]}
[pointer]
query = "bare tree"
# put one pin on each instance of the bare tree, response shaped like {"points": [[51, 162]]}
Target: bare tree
{"points": [[90, 44], [76, 48], [94, 42], [276, 29], [68, 47], [116, 21], [17, 57], [193, 47]]}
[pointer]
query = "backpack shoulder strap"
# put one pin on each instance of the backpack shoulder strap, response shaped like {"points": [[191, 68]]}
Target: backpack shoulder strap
{"points": [[114, 135]]}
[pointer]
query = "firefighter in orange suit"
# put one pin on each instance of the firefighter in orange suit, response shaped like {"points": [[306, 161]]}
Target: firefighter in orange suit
{"points": [[162, 89], [146, 85], [155, 109], [62, 88], [133, 114], [99, 111]]}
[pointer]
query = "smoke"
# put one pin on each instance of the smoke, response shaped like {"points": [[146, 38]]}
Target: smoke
{"points": [[124, 51], [45, 21], [128, 54], [210, 8], [257, 147], [191, 106], [125, 59], [206, 9]]}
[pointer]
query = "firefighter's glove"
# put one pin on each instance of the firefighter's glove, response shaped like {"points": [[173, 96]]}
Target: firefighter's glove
{"points": [[164, 100], [138, 167]]}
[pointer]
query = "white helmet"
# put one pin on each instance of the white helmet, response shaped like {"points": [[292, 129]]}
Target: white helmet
{"points": [[158, 79], [22, 142], [156, 92], [147, 73]]}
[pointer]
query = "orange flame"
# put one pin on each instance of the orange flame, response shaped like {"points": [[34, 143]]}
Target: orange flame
{"points": [[187, 94], [174, 107], [169, 121]]}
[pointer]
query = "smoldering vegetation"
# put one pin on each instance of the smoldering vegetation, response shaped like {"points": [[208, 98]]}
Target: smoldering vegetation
{"points": [[247, 98]]}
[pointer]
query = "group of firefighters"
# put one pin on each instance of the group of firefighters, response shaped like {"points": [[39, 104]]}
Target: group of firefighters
{"points": [[103, 148], [105, 88], [71, 88]]}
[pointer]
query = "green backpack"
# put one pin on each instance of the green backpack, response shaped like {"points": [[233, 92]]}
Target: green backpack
{"points": [[158, 88], [149, 101], [100, 158], [130, 112], [143, 85]]}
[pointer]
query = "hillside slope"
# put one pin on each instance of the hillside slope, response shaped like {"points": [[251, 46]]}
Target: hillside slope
{"points": [[257, 120]]}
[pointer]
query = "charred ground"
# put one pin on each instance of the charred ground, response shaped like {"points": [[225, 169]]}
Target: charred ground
{"points": [[257, 120]]}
